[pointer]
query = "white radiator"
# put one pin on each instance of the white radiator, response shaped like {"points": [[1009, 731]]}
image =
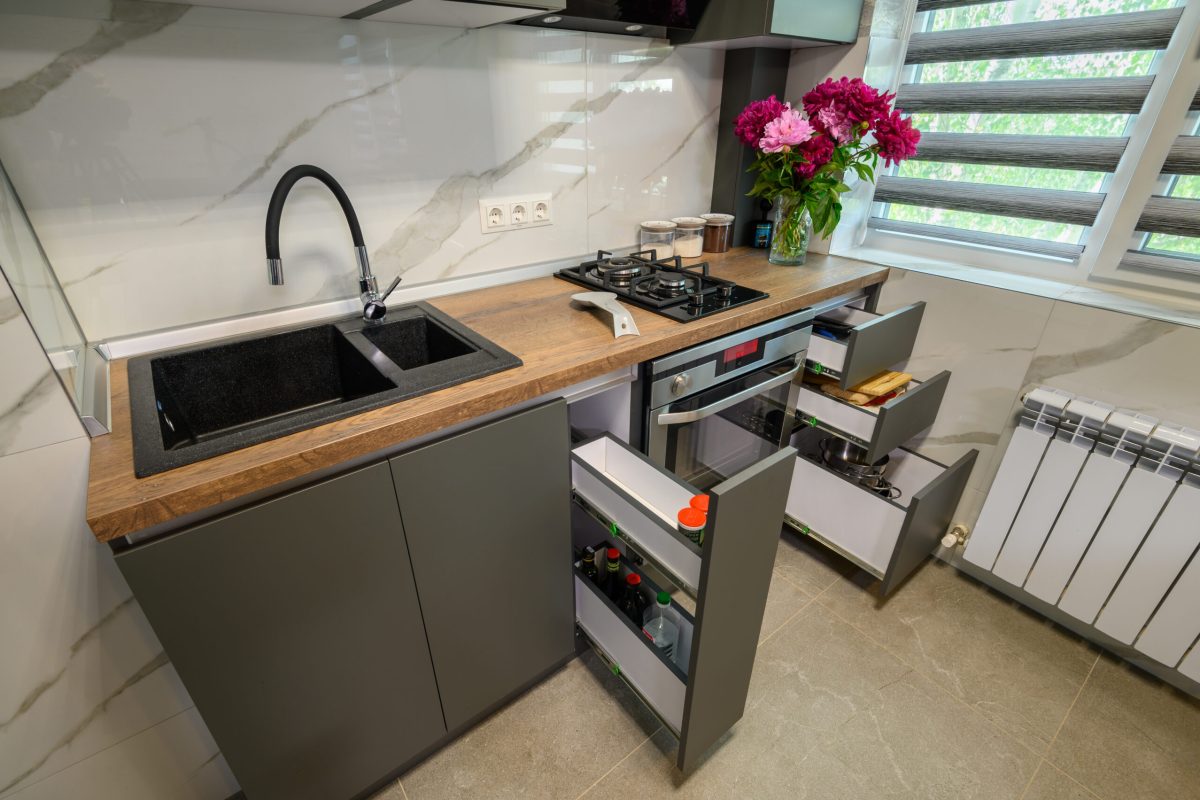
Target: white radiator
{"points": [[1096, 511]]}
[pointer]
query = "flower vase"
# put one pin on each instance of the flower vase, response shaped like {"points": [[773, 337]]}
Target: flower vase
{"points": [[792, 231]]}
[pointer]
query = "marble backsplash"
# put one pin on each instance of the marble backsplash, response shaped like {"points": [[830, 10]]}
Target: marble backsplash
{"points": [[144, 140]]}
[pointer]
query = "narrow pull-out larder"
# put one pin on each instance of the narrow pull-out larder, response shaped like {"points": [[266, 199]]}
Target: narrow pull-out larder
{"points": [[728, 573]]}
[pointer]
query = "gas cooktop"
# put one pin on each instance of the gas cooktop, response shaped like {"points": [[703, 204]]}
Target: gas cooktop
{"points": [[664, 286]]}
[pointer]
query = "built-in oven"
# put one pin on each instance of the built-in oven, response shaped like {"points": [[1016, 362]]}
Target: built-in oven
{"points": [[716, 408]]}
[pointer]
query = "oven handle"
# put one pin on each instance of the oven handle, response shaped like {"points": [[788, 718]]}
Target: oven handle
{"points": [[680, 417]]}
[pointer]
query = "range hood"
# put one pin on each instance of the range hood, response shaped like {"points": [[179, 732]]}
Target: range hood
{"points": [[450, 13], [725, 24]]}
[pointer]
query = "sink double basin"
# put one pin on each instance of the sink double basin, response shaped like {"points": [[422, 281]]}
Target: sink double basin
{"points": [[194, 403]]}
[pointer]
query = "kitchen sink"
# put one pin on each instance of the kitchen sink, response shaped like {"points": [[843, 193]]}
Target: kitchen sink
{"points": [[198, 402]]}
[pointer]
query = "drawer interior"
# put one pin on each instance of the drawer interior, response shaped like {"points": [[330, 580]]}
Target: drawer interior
{"points": [[851, 517], [863, 344], [659, 679], [642, 500]]}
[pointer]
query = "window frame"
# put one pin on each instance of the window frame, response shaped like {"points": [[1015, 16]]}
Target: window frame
{"points": [[1137, 177]]}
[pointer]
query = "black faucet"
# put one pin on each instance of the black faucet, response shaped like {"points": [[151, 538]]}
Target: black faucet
{"points": [[373, 302]]}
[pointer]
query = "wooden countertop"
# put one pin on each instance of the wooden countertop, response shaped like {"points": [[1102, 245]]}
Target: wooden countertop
{"points": [[559, 344]]}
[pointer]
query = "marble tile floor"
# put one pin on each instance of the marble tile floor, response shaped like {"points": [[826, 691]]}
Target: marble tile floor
{"points": [[948, 690]]}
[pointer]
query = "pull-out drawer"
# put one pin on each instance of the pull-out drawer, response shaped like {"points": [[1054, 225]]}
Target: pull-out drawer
{"points": [[641, 499], [659, 679], [888, 537], [728, 574], [867, 343], [880, 429]]}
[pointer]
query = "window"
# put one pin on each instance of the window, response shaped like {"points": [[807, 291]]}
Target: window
{"points": [[1035, 114]]}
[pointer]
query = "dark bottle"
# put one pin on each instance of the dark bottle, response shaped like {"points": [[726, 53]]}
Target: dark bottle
{"points": [[633, 601], [589, 565], [611, 583]]}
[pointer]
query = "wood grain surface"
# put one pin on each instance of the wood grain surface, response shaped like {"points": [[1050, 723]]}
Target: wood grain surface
{"points": [[560, 345]]}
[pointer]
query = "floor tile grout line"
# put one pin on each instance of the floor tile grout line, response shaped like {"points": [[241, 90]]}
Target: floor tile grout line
{"points": [[625, 758], [988, 720], [403, 791], [1075, 700], [1032, 778], [786, 622]]}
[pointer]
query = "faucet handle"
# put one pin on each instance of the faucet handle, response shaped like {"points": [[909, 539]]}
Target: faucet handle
{"points": [[375, 310], [391, 288]]}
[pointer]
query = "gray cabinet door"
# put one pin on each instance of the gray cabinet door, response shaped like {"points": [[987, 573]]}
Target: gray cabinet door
{"points": [[487, 517], [296, 628]]}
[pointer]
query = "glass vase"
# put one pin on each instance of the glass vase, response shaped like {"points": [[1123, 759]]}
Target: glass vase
{"points": [[792, 231]]}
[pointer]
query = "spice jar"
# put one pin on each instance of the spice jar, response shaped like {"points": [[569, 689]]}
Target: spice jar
{"points": [[658, 235], [718, 232], [691, 523], [689, 236]]}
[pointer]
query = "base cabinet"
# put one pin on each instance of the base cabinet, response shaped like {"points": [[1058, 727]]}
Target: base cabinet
{"points": [[487, 516], [296, 628]]}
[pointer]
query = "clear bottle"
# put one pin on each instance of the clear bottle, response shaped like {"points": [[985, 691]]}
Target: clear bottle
{"points": [[662, 626]]}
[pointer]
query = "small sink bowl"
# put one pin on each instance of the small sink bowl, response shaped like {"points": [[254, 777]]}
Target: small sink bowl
{"points": [[416, 342], [198, 402]]}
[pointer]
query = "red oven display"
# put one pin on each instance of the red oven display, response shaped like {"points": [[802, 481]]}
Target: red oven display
{"points": [[740, 355]]}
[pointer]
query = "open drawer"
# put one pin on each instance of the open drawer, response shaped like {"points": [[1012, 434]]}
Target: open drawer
{"points": [[880, 429], [728, 574], [660, 680], [888, 538], [867, 343]]}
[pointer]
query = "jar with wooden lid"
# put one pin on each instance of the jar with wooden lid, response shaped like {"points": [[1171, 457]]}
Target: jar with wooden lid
{"points": [[689, 236], [718, 232], [658, 235]]}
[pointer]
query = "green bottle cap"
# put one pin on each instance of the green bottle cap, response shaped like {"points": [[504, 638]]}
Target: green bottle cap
{"points": [[664, 599]]}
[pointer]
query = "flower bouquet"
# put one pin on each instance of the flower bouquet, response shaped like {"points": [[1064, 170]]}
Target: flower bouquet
{"points": [[803, 156]]}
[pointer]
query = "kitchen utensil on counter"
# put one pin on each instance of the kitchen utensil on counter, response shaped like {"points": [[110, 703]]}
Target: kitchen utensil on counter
{"points": [[622, 320]]}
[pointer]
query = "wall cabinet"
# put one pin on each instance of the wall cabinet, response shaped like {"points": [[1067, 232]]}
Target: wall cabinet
{"points": [[296, 628]]}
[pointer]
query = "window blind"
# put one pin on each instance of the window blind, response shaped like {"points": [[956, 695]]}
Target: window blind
{"points": [[1023, 108]]}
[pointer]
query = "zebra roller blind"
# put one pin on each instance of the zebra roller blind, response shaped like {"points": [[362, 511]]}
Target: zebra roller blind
{"points": [[1168, 232], [1024, 107]]}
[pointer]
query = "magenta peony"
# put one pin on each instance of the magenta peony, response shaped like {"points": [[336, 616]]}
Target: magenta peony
{"points": [[849, 99], [785, 132], [836, 124], [753, 120], [896, 137], [816, 152]]}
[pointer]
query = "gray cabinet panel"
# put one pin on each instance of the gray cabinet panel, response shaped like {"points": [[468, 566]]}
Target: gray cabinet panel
{"points": [[295, 626], [747, 512], [487, 517]]}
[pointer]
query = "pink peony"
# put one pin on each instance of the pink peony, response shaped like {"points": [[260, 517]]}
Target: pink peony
{"points": [[848, 99], [897, 138], [753, 120], [836, 124], [816, 151], [785, 132]]}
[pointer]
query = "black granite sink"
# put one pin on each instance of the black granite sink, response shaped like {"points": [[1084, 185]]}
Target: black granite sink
{"points": [[198, 402]]}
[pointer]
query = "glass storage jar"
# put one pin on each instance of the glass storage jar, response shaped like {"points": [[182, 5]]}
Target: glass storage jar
{"points": [[689, 236], [658, 235], [718, 232]]}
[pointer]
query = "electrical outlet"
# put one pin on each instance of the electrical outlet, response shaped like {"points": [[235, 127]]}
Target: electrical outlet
{"points": [[499, 214], [518, 213]]}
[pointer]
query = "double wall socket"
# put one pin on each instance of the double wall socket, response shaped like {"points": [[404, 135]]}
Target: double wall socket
{"points": [[498, 214]]}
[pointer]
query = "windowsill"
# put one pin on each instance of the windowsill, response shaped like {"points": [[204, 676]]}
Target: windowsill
{"points": [[1150, 305]]}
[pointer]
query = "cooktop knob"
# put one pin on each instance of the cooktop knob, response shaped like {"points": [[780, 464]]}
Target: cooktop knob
{"points": [[680, 383]]}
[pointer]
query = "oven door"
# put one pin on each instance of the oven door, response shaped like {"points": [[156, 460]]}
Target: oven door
{"points": [[715, 433]]}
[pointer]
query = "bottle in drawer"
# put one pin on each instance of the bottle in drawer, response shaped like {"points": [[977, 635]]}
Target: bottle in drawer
{"points": [[633, 600], [662, 625]]}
